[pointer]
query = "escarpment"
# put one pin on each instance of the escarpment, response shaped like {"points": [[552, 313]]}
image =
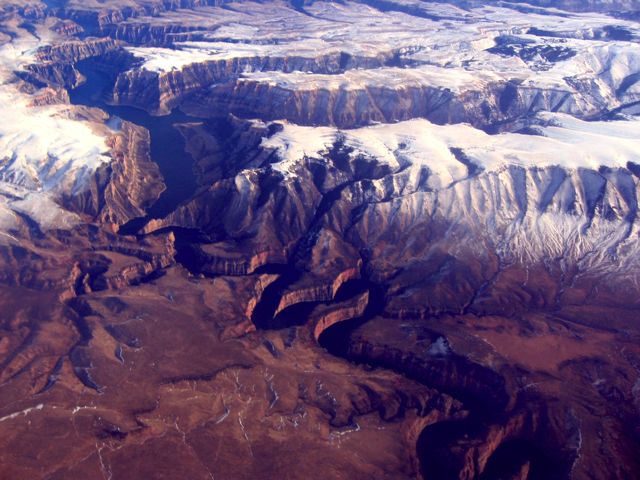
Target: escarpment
{"points": [[149, 34], [56, 65], [392, 239], [345, 106], [341, 312], [127, 186], [312, 294], [76, 51], [166, 90], [97, 19], [135, 181]]}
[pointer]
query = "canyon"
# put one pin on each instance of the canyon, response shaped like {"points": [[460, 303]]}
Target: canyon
{"points": [[297, 239]]}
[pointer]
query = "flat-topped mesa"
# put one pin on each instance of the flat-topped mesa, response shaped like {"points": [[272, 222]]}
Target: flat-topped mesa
{"points": [[161, 90], [347, 106]]}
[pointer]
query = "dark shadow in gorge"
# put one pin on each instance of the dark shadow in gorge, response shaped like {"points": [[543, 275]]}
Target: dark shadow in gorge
{"points": [[168, 150]]}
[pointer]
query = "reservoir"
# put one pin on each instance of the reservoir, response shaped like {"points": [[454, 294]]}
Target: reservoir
{"points": [[167, 144]]}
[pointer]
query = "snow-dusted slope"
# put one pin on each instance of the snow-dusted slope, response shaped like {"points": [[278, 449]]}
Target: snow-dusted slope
{"points": [[583, 63], [560, 140], [563, 187], [564, 192], [354, 63], [44, 151]]}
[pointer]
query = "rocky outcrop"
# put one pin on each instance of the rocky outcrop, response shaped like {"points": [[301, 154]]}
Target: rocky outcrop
{"points": [[76, 51], [52, 74], [216, 260], [32, 10], [135, 181], [135, 273], [56, 64], [160, 92], [124, 188], [50, 96], [316, 292], [67, 28], [118, 266], [221, 147], [351, 107], [327, 317], [230, 206]]}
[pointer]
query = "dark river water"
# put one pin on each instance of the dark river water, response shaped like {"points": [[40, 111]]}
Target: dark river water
{"points": [[167, 145], [168, 151]]}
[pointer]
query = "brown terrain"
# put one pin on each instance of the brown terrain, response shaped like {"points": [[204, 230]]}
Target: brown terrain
{"points": [[333, 324]]}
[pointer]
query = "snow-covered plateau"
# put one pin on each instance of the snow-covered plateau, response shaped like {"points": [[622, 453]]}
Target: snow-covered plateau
{"points": [[590, 57], [337, 239], [421, 87], [418, 93]]}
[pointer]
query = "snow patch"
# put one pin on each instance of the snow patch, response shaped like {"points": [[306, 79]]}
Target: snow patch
{"points": [[42, 149], [24, 412], [565, 141]]}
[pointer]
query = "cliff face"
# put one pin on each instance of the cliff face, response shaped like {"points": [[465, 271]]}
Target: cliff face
{"points": [[353, 107], [56, 65], [99, 17], [149, 34], [332, 90], [162, 91], [135, 181], [410, 249], [75, 51], [126, 187]]}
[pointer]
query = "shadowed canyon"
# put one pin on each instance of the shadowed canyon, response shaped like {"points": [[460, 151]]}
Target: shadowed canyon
{"points": [[391, 239]]}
